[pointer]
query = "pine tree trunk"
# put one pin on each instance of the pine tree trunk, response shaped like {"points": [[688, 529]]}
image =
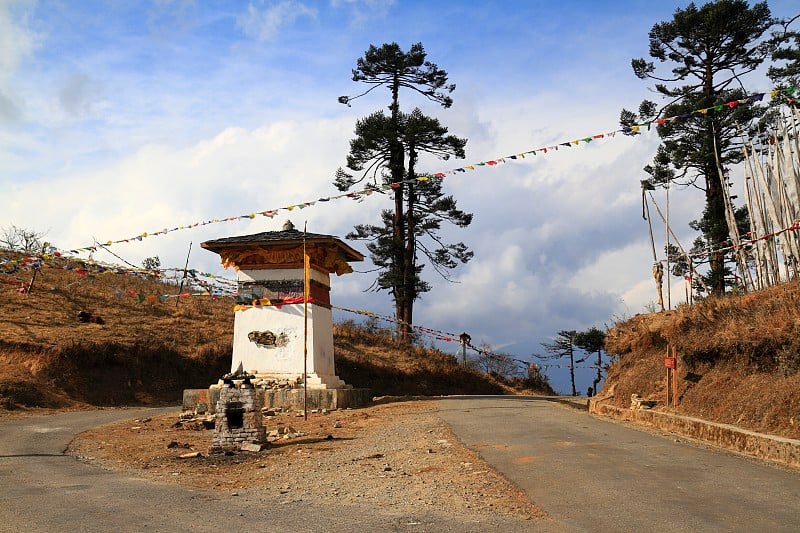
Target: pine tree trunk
{"points": [[572, 368], [715, 203], [398, 241], [599, 377], [715, 215], [400, 297], [409, 264]]}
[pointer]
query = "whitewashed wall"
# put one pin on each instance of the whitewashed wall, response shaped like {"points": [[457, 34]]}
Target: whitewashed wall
{"points": [[285, 361]]}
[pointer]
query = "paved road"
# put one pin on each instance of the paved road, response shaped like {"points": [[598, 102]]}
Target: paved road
{"points": [[42, 490], [595, 475]]}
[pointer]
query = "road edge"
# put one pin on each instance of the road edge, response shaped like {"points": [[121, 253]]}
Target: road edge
{"points": [[775, 449]]}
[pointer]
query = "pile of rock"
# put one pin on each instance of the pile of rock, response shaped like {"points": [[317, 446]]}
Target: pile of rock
{"points": [[278, 384], [268, 383], [637, 402], [238, 418], [284, 432]]}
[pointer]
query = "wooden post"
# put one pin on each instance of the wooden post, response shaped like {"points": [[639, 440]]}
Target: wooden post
{"points": [[674, 379], [464, 339], [306, 292], [671, 364], [33, 278], [666, 270], [667, 387], [185, 271]]}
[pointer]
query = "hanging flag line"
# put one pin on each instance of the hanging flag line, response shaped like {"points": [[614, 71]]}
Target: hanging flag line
{"points": [[367, 191], [634, 129], [726, 246], [274, 302], [90, 268], [436, 333], [547, 365], [452, 337], [495, 355], [153, 298]]}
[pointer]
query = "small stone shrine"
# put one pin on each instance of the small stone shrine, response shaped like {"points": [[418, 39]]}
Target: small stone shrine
{"points": [[237, 420], [269, 323]]}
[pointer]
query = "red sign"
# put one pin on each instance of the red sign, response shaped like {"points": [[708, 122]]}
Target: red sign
{"points": [[669, 362]]}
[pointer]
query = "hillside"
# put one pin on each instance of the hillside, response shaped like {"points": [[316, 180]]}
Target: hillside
{"points": [[148, 349], [738, 359]]}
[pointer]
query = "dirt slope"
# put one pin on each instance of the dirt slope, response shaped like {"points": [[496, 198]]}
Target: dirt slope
{"points": [[146, 351], [738, 359]]}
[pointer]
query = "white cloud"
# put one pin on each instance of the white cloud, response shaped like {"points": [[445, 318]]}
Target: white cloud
{"points": [[17, 40], [266, 24], [79, 94], [234, 173], [17, 43], [362, 11]]}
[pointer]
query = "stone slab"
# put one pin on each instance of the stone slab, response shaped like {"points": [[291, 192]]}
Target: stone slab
{"points": [[286, 398], [251, 447], [772, 448]]}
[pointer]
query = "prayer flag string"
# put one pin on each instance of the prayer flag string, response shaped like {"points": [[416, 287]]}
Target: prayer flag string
{"points": [[369, 190]]}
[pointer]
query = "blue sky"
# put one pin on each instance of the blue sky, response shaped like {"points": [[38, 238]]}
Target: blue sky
{"points": [[123, 117]]}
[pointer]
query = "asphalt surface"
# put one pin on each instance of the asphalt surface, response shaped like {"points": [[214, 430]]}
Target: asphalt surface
{"points": [[588, 474], [42, 490], [592, 474]]}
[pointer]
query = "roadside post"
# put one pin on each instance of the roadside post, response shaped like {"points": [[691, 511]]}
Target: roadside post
{"points": [[670, 362], [464, 339], [674, 379]]}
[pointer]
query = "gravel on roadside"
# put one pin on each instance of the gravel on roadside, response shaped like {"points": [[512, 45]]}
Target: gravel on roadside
{"points": [[398, 456]]}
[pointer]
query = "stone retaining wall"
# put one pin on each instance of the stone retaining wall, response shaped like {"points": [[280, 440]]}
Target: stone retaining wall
{"points": [[773, 448], [285, 398]]}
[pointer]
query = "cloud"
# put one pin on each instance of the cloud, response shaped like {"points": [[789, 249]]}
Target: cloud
{"points": [[77, 94], [17, 40], [265, 24], [17, 43], [361, 11], [158, 186], [9, 110], [166, 17]]}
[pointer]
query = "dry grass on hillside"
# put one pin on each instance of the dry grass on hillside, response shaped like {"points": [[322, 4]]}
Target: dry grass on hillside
{"points": [[740, 353], [147, 351], [143, 352], [48, 315], [391, 368]]}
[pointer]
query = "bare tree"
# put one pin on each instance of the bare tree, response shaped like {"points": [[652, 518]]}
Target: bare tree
{"points": [[489, 361], [22, 239]]}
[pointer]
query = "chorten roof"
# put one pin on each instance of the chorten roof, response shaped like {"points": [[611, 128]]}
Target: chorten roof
{"points": [[234, 249]]}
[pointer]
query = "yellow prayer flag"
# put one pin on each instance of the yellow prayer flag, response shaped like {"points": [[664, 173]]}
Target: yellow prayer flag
{"points": [[306, 276]]}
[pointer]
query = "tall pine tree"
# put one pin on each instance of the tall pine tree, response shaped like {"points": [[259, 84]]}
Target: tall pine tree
{"points": [[563, 346], [707, 51], [786, 70], [591, 341], [384, 152]]}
